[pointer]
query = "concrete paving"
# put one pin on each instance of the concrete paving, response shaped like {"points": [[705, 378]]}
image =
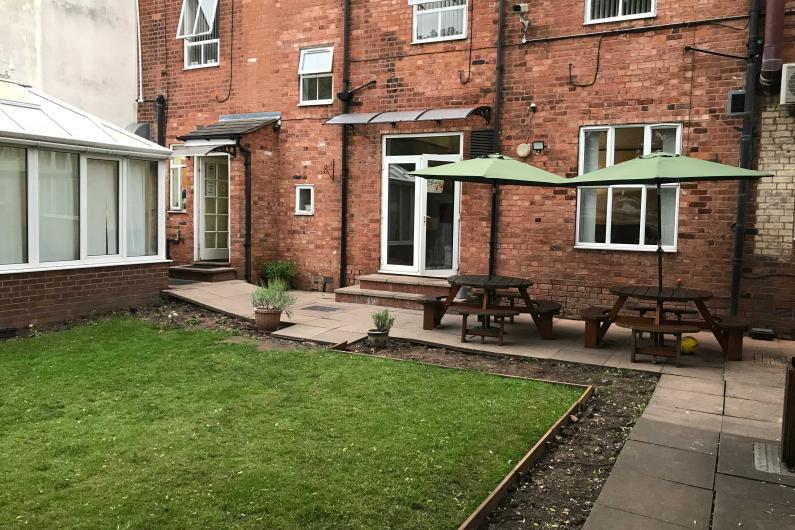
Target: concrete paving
{"points": [[689, 461]]}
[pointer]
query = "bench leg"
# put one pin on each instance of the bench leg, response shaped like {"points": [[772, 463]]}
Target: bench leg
{"points": [[634, 346], [512, 303], [428, 316], [463, 328], [591, 334], [734, 345], [544, 325], [502, 331], [678, 337]]}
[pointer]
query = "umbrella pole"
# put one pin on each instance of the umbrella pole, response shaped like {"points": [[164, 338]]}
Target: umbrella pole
{"points": [[493, 230], [659, 238]]}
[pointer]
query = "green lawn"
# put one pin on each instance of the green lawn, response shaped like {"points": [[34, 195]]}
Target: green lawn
{"points": [[121, 424]]}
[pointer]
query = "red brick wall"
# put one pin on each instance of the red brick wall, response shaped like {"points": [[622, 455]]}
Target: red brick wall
{"points": [[644, 77], [41, 298]]}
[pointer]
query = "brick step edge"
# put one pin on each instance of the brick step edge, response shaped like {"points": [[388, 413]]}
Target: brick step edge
{"points": [[357, 295]]}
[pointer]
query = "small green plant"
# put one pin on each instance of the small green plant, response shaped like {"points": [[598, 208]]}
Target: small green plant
{"points": [[274, 297], [278, 270], [383, 321]]}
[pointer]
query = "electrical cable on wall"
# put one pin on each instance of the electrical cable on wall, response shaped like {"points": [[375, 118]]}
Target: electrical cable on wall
{"points": [[690, 95], [596, 73], [231, 57], [471, 41]]}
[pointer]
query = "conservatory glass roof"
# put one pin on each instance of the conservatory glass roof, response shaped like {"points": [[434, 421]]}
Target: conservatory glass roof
{"points": [[27, 115]]}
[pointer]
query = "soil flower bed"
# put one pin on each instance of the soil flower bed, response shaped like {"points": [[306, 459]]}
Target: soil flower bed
{"points": [[139, 424]]}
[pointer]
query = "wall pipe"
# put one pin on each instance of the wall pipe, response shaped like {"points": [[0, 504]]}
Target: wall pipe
{"points": [[746, 149], [160, 107], [495, 190], [247, 242], [346, 84], [774, 37]]}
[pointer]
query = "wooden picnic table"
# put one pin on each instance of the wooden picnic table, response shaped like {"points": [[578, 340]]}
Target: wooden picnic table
{"points": [[679, 295]]}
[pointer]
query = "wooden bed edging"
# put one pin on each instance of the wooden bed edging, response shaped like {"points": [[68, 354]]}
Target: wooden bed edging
{"points": [[478, 518]]}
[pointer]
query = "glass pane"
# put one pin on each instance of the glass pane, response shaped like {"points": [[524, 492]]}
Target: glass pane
{"points": [[209, 205], [592, 224], [427, 25], [176, 192], [625, 216], [209, 240], [306, 83], [668, 197], [304, 200], [222, 240], [594, 150], [452, 22], [439, 212], [636, 7], [210, 53], [194, 53], [324, 88], [315, 61], [13, 205], [103, 207], [142, 232], [59, 206], [664, 139], [223, 206], [222, 222], [311, 94], [424, 145], [604, 9], [400, 219], [209, 223], [223, 189], [629, 144]]}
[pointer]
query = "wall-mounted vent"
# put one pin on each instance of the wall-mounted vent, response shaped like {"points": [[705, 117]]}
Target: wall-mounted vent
{"points": [[736, 103], [788, 84], [481, 143]]}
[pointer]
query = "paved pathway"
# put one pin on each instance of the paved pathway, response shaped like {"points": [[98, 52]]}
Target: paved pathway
{"points": [[689, 461]]}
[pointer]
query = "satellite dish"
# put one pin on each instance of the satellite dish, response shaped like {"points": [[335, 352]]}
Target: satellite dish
{"points": [[523, 150]]}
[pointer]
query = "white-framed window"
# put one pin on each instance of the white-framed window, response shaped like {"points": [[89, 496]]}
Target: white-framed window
{"points": [[624, 217], [177, 191], [62, 209], [198, 27], [614, 10], [439, 20], [317, 81], [305, 199]]}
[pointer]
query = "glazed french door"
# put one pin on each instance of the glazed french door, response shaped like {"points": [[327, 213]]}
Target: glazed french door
{"points": [[420, 218], [214, 214]]}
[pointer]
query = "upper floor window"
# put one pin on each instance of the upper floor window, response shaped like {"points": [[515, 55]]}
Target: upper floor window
{"points": [[317, 82], [198, 26], [439, 20], [612, 10], [624, 217]]}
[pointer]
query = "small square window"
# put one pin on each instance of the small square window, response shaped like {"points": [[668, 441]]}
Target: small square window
{"points": [[317, 81], [304, 200], [439, 20], [615, 10]]}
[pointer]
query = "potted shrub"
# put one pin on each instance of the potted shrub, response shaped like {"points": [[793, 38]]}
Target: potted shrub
{"points": [[269, 303], [379, 336], [278, 270]]}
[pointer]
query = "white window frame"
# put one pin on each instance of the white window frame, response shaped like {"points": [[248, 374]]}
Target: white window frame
{"points": [[208, 8], [462, 36], [85, 261], [186, 54], [609, 161], [315, 74], [298, 190], [172, 206], [588, 20]]}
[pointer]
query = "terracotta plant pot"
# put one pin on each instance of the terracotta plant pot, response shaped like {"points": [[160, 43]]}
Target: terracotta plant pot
{"points": [[377, 339], [267, 320]]}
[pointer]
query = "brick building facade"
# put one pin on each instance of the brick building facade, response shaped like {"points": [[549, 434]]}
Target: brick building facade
{"points": [[599, 91]]}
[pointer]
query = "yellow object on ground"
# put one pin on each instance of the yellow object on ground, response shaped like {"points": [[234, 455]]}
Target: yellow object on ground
{"points": [[689, 345]]}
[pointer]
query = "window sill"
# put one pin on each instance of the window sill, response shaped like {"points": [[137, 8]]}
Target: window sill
{"points": [[177, 212], [304, 214], [88, 264], [438, 39], [200, 66], [316, 103], [626, 248], [619, 19]]}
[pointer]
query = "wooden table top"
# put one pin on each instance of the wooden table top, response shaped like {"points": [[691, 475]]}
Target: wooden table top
{"points": [[668, 294], [485, 282]]}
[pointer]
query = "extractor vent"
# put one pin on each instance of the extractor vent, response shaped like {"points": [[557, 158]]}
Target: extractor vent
{"points": [[481, 143], [788, 84]]}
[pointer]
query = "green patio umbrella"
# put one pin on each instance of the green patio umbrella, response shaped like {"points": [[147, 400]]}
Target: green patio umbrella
{"points": [[661, 168], [495, 169]]}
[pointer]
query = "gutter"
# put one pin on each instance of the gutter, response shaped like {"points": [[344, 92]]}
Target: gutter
{"points": [[247, 242], [499, 68], [746, 149], [346, 84]]}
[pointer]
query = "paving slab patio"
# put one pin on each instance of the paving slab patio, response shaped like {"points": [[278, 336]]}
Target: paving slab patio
{"points": [[689, 459]]}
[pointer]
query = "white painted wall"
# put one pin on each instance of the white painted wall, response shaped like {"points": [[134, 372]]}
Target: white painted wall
{"points": [[80, 51]]}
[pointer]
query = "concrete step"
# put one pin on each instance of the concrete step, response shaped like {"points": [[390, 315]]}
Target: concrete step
{"points": [[202, 272], [404, 284], [356, 295]]}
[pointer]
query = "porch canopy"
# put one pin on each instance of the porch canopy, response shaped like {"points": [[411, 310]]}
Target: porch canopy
{"points": [[663, 168], [495, 169], [226, 131], [410, 116]]}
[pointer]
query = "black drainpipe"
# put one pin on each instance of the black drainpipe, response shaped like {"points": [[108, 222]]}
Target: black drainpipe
{"points": [[160, 107], [746, 148], [497, 115], [247, 243], [346, 85]]}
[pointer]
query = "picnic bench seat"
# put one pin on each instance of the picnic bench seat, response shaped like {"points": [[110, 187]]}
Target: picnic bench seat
{"points": [[733, 329], [498, 314], [594, 316], [432, 311], [640, 325], [678, 312]]}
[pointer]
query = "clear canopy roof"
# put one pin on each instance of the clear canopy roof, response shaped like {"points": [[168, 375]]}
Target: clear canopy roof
{"points": [[29, 115]]}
